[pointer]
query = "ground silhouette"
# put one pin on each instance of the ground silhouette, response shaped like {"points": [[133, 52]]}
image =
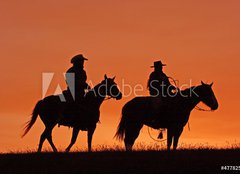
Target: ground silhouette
{"points": [[152, 162]]}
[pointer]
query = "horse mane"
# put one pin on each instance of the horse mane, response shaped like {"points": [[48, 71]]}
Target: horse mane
{"points": [[187, 91]]}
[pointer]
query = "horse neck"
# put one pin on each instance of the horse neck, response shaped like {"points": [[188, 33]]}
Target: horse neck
{"points": [[99, 94], [192, 99]]}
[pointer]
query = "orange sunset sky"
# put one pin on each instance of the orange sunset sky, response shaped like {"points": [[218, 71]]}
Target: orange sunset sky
{"points": [[198, 40]]}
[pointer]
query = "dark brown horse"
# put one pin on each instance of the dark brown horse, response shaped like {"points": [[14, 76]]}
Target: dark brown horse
{"points": [[51, 111], [173, 115]]}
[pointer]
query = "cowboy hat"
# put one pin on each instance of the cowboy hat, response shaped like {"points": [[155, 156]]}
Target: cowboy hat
{"points": [[158, 64], [77, 58]]}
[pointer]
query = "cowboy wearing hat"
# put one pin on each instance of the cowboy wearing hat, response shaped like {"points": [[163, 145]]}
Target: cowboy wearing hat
{"points": [[158, 83], [76, 78], [159, 87]]}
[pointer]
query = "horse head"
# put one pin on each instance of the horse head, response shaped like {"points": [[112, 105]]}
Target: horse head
{"points": [[111, 88], [207, 96]]}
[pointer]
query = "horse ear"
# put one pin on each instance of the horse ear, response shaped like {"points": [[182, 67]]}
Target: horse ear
{"points": [[211, 84], [113, 78], [105, 76], [202, 83]]}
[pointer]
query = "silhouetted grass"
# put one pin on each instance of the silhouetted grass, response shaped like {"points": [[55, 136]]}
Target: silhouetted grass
{"points": [[113, 159]]}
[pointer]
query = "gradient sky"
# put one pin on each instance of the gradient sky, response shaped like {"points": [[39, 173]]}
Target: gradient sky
{"points": [[198, 40]]}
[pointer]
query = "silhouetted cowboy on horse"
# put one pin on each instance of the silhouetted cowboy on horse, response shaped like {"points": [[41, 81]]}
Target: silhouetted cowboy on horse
{"points": [[76, 78], [160, 89], [160, 110]]}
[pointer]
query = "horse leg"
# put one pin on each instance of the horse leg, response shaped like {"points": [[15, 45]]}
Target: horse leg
{"points": [[49, 138], [169, 138], [131, 134], [176, 138], [42, 139], [90, 134], [74, 138]]}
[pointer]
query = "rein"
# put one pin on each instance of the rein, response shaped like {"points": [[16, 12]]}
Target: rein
{"points": [[201, 109]]}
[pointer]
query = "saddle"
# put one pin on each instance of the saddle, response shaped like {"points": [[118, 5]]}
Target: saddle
{"points": [[76, 112], [160, 104], [159, 109]]}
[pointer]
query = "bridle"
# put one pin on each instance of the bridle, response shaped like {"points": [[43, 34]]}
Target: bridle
{"points": [[201, 109], [108, 98]]}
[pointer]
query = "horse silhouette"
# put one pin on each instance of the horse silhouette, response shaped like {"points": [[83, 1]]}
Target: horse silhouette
{"points": [[174, 116], [51, 113]]}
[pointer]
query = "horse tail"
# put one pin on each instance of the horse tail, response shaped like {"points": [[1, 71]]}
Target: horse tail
{"points": [[35, 114], [121, 126]]}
